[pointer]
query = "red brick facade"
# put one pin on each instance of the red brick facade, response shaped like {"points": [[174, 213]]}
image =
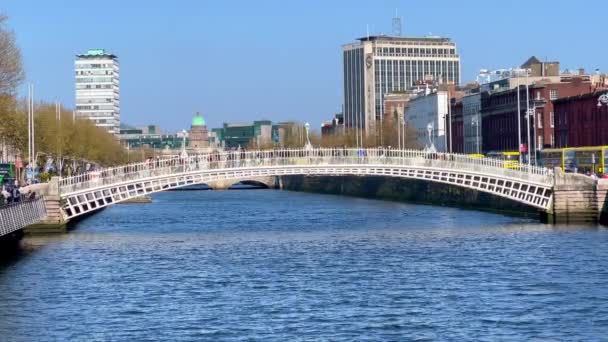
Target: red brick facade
{"points": [[580, 122], [499, 118], [456, 128]]}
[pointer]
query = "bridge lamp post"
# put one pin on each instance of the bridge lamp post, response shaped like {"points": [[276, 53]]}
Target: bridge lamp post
{"points": [[184, 154], [475, 122], [602, 100], [308, 145]]}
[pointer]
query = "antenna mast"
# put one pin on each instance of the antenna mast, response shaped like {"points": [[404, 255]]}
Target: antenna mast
{"points": [[396, 25]]}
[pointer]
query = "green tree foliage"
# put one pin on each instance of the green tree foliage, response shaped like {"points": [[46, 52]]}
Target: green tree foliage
{"points": [[68, 138], [11, 69], [71, 139]]}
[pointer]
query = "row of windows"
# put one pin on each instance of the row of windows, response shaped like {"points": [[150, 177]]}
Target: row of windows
{"points": [[354, 96], [414, 52], [104, 100], [94, 79], [512, 98], [94, 66], [540, 141], [97, 86], [394, 75], [94, 72], [95, 107]]}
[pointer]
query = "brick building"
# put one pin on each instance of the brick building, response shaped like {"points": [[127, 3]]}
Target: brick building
{"points": [[456, 128], [499, 112], [579, 121]]}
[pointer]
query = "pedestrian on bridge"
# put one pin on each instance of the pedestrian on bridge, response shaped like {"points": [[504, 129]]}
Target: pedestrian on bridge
{"points": [[6, 194]]}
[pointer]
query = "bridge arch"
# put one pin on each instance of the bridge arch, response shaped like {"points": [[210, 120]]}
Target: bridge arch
{"points": [[528, 185]]}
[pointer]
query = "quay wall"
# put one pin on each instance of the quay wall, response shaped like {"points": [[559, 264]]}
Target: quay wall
{"points": [[407, 190]]}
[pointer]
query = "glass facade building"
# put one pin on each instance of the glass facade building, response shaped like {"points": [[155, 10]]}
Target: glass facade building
{"points": [[379, 65]]}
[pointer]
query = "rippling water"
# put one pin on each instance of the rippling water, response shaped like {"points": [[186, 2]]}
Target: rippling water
{"points": [[283, 266]]}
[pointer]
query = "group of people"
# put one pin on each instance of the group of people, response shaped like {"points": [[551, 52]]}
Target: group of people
{"points": [[14, 193]]}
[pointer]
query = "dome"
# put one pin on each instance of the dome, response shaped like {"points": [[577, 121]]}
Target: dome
{"points": [[198, 120]]}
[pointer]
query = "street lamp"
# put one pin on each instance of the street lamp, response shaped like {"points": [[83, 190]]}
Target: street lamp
{"points": [[429, 130], [475, 122], [308, 145], [602, 100], [184, 154]]}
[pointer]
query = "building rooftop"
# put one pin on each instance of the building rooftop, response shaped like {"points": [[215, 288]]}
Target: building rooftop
{"points": [[409, 39], [198, 120], [96, 53], [581, 96]]}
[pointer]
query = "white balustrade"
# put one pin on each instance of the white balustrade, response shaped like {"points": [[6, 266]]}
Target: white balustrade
{"points": [[301, 158]]}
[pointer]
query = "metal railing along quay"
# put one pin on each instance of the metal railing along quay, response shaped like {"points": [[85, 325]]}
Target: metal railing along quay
{"points": [[303, 157], [19, 215]]}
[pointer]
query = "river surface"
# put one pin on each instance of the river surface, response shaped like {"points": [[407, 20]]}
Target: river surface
{"points": [[284, 266]]}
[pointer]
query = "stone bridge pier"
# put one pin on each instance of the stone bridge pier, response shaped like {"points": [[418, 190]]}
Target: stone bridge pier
{"points": [[272, 182], [578, 199]]}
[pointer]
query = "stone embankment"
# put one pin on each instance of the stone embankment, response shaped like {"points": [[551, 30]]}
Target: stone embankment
{"points": [[407, 190]]}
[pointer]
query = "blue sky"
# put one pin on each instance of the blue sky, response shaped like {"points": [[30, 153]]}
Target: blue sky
{"points": [[279, 60]]}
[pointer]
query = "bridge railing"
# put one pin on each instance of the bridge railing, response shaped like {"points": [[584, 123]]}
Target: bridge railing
{"points": [[301, 157], [21, 214]]}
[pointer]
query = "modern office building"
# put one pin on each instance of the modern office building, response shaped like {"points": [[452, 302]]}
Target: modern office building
{"points": [[378, 65], [98, 89], [150, 137]]}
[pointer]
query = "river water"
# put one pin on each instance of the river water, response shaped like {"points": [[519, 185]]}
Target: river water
{"points": [[285, 266]]}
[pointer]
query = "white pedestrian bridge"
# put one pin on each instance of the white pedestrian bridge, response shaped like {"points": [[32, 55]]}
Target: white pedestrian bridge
{"points": [[84, 193]]}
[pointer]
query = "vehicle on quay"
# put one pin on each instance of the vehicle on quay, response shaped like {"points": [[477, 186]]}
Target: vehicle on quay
{"points": [[510, 159], [575, 159]]}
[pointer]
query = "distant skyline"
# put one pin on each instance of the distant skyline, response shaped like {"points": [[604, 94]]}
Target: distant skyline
{"points": [[240, 61]]}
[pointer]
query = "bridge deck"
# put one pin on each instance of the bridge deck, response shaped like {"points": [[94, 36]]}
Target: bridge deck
{"points": [[528, 184]]}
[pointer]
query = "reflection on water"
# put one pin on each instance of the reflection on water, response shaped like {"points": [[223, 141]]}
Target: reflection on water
{"points": [[270, 265]]}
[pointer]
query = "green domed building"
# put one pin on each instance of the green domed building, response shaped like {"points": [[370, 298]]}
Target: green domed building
{"points": [[199, 135], [198, 120]]}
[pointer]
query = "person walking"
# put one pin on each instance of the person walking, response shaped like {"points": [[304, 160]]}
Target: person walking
{"points": [[6, 195]]}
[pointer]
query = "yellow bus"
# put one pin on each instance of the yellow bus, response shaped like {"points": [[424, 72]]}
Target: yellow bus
{"points": [[576, 159], [510, 158]]}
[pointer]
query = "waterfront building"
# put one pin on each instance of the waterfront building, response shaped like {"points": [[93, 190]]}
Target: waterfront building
{"points": [[455, 126], [499, 112], [426, 114], [335, 126], [378, 65], [198, 138], [243, 135], [98, 89], [581, 120], [471, 110], [394, 106], [150, 137]]}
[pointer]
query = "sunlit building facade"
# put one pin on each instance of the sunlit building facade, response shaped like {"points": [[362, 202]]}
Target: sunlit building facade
{"points": [[98, 89], [379, 65]]}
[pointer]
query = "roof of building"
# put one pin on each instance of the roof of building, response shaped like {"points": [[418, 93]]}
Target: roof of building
{"points": [[533, 60], [399, 38], [198, 120], [581, 96], [96, 53]]}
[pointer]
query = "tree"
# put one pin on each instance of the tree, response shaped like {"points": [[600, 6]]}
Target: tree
{"points": [[11, 68]]}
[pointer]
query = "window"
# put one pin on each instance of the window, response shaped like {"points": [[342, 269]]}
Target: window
{"points": [[540, 142], [538, 95], [552, 118], [553, 94], [540, 119], [552, 140]]}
